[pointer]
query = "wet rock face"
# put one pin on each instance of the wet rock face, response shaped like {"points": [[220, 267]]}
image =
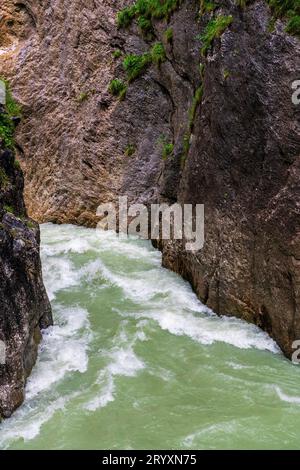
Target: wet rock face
{"points": [[243, 159], [244, 164], [25, 308]]}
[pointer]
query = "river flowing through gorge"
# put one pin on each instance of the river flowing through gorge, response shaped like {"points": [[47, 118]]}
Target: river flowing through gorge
{"points": [[135, 361]]}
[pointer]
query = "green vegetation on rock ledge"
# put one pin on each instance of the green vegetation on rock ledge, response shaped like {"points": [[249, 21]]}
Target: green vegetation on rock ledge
{"points": [[118, 88], [167, 147], [214, 29], [158, 54], [169, 33], [7, 129], [168, 150], [207, 7], [144, 11], [130, 150], [134, 65], [13, 110], [289, 9]]}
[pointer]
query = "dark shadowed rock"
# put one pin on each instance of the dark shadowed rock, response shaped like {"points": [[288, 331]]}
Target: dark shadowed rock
{"points": [[25, 309]]}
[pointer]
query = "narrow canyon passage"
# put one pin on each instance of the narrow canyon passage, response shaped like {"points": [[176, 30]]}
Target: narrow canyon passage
{"points": [[136, 361]]}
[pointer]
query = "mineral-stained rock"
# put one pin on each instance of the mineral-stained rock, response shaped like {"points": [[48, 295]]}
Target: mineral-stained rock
{"points": [[25, 308], [241, 150]]}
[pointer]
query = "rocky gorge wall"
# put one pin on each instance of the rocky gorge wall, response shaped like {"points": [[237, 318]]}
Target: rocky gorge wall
{"points": [[25, 308], [227, 128]]}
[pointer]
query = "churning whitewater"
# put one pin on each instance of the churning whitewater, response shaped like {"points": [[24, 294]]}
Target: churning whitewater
{"points": [[135, 361]]}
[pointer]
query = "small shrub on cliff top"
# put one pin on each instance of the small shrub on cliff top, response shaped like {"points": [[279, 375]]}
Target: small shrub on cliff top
{"points": [[214, 29], [118, 88]]}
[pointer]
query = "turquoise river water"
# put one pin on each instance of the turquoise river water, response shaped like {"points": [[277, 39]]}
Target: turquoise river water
{"points": [[135, 361]]}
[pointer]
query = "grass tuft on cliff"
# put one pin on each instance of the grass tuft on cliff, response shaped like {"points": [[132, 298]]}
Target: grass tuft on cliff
{"points": [[289, 9], [144, 11], [135, 65], [118, 88], [158, 54], [130, 150], [207, 6], [293, 26], [7, 129], [167, 147], [214, 29]]}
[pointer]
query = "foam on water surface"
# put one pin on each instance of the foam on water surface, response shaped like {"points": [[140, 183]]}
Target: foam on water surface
{"points": [[133, 351]]}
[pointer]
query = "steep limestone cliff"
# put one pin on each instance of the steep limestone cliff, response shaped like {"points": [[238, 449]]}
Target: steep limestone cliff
{"points": [[25, 308], [228, 129]]}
